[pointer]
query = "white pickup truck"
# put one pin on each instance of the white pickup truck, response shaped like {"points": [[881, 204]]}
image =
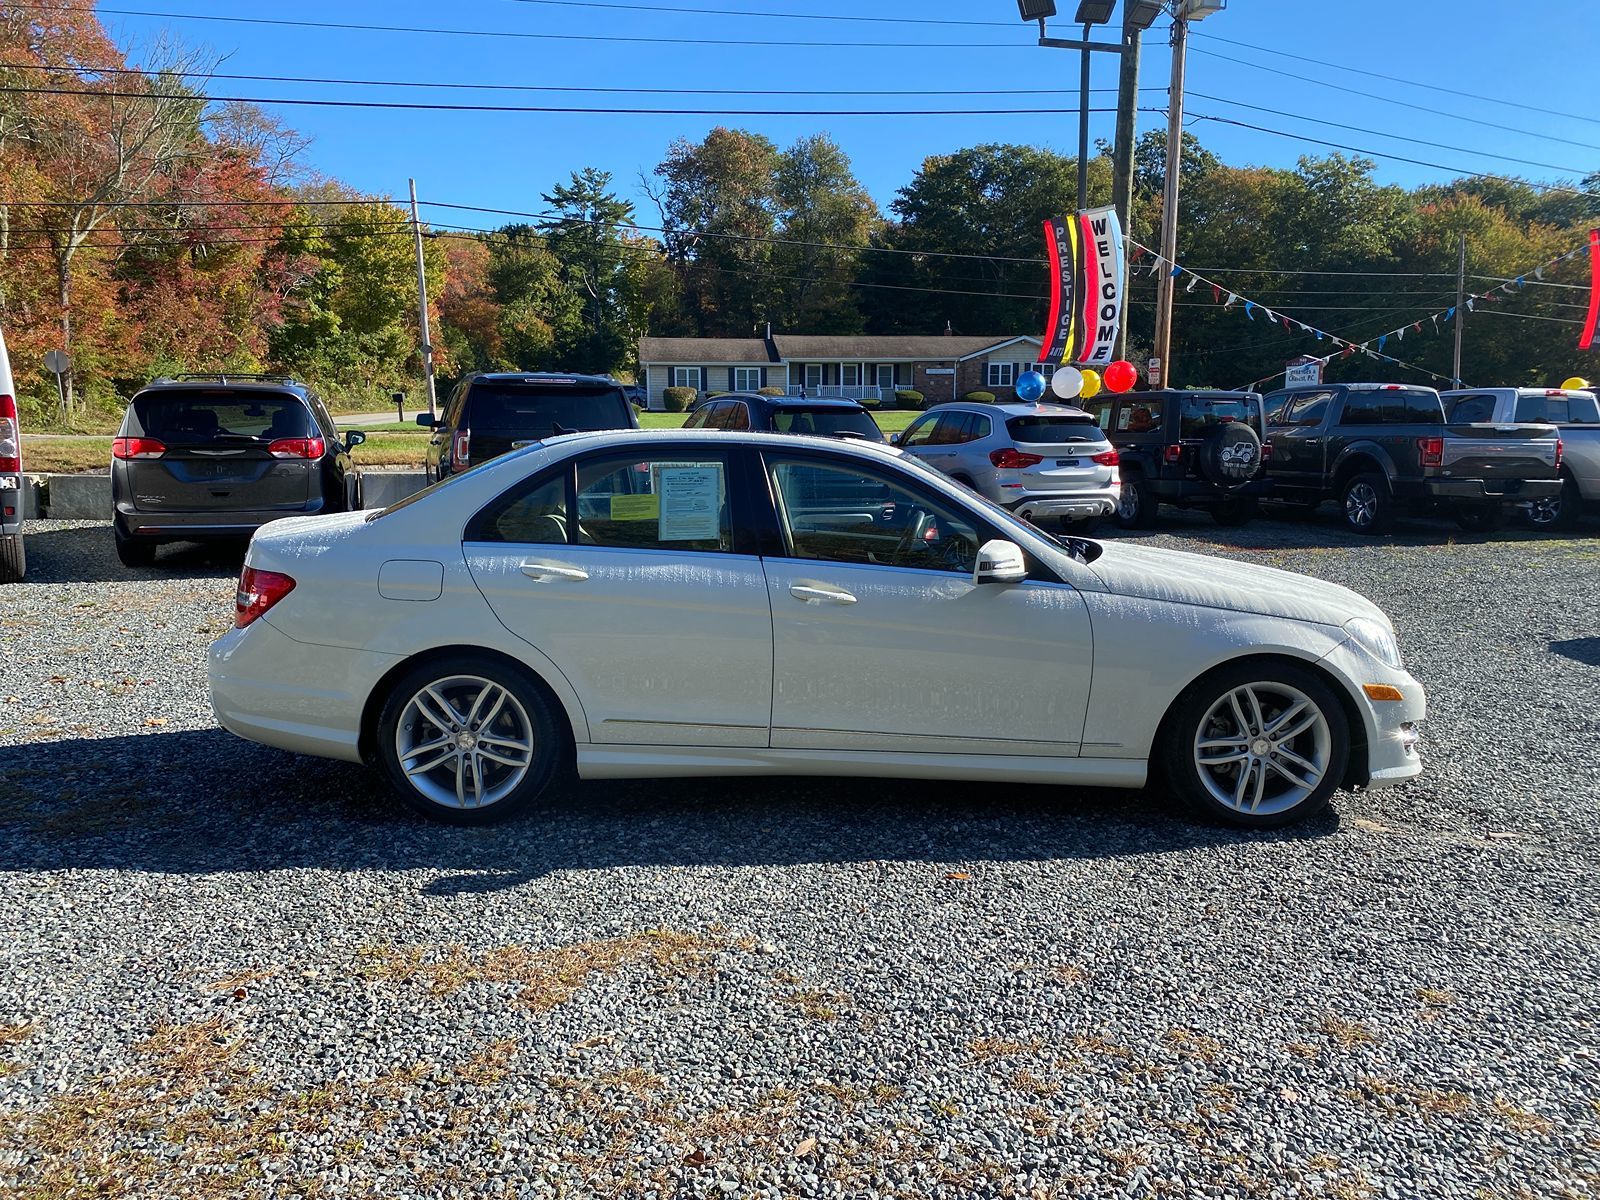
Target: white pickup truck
{"points": [[13, 561], [1575, 413]]}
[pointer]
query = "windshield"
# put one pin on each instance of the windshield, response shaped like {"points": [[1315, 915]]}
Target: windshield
{"points": [[1054, 429], [189, 416], [827, 422], [1200, 413], [535, 409]]}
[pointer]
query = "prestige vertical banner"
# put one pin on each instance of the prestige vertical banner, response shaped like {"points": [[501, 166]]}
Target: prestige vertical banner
{"points": [[1085, 253]]}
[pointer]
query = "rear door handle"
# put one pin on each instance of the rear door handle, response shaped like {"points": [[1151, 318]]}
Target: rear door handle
{"points": [[817, 595], [539, 570]]}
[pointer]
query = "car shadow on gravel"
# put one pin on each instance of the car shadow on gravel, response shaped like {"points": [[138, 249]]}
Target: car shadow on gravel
{"points": [[203, 801], [88, 554], [1277, 529], [1584, 650]]}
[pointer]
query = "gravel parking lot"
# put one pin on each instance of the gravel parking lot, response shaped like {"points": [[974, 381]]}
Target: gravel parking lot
{"points": [[224, 968]]}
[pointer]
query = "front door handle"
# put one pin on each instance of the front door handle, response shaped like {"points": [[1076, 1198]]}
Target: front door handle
{"points": [[539, 570], [817, 595]]}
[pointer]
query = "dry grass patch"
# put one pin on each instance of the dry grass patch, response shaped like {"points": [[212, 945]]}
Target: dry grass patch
{"points": [[547, 977], [1404, 1099], [1344, 1033], [988, 1049], [1187, 1043], [1520, 1119], [818, 1005]]}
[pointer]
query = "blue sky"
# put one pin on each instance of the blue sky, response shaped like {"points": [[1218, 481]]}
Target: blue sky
{"points": [[1539, 57]]}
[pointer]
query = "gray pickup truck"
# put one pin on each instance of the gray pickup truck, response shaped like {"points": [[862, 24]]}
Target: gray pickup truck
{"points": [[1379, 449], [1575, 414]]}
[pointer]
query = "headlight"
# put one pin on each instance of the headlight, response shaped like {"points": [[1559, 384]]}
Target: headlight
{"points": [[1375, 639]]}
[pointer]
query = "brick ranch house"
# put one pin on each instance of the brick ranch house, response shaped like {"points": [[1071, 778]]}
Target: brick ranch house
{"points": [[943, 367]]}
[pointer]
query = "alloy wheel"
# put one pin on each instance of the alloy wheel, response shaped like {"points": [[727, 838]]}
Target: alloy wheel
{"points": [[1545, 513], [1263, 748], [464, 741], [1128, 503], [1361, 504]]}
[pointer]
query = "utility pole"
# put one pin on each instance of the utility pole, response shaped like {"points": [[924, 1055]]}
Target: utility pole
{"points": [[1461, 308], [1166, 285], [1083, 123], [1122, 150], [422, 305]]}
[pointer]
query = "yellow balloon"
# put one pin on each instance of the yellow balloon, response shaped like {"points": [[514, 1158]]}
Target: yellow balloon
{"points": [[1091, 384], [1574, 384]]}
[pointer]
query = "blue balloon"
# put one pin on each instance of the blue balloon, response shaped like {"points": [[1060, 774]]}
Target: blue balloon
{"points": [[1030, 385]]}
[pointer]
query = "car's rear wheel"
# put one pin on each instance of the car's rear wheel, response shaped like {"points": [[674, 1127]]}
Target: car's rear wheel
{"points": [[1260, 745], [132, 551], [1137, 507], [1557, 512], [1366, 504], [13, 558], [470, 740]]}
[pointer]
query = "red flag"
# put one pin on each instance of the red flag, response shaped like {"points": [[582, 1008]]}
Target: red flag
{"points": [[1216, 294]]}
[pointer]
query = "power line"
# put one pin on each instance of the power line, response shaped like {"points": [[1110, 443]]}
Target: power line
{"points": [[1496, 312], [1432, 87], [1438, 112], [1395, 136], [787, 16], [533, 87], [786, 44]]}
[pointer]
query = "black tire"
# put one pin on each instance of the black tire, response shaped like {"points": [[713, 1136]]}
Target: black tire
{"points": [[1562, 512], [1138, 507], [1366, 503], [1481, 518], [132, 551], [1176, 751], [551, 742], [13, 558], [1230, 454], [1234, 512]]}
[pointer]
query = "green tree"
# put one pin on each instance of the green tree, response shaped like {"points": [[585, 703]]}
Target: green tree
{"points": [[822, 212]]}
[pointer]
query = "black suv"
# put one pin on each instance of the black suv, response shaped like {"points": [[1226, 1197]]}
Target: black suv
{"points": [[489, 414], [1187, 448], [742, 411], [217, 456]]}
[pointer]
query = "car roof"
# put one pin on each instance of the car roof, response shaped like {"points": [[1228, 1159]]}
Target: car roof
{"points": [[541, 376], [1219, 393], [226, 384], [624, 438], [784, 401], [1012, 408]]}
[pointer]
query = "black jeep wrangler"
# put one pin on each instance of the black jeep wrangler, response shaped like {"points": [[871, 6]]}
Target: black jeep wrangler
{"points": [[1190, 449]]}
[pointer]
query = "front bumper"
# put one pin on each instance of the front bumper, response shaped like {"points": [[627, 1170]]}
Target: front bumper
{"points": [[1390, 728]]}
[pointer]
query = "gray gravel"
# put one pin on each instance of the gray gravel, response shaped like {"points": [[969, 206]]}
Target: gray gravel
{"points": [[224, 969]]}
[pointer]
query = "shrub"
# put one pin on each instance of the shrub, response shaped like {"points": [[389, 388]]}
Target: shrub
{"points": [[678, 399], [770, 391], [909, 398], [979, 397]]}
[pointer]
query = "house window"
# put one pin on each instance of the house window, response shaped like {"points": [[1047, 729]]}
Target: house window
{"points": [[688, 377], [850, 374], [747, 379], [813, 375], [1002, 374]]}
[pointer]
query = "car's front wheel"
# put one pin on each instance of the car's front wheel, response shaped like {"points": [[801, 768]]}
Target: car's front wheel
{"points": [[1260, 745], [470, 740]]}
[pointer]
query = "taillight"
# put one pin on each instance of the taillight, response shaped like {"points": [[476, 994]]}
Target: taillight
{"points": [[137, 448], [297, 448], [258, 591], [10, 436], [458, 453], [1266, 451], [1558, 454], [1107, 458], [1011, 459], [1173, 453], [1432, 451]]}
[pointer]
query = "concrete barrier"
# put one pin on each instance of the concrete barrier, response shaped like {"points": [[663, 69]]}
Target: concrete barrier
{"points": [[88, 497]]}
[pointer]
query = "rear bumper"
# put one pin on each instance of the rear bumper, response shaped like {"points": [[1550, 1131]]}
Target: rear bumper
{"points": [[1504, 491], [11, 501], [1094, 503], [195, 526]]}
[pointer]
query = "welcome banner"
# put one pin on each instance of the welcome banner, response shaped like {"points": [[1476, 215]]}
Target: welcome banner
{"points": [[1086, 256]]}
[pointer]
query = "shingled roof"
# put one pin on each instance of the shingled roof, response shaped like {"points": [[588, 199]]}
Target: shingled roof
{"points": [[937, 346], [705, 350]]}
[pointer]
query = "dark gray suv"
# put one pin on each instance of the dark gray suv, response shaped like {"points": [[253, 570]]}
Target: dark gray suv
{"points": [[203, 457]]}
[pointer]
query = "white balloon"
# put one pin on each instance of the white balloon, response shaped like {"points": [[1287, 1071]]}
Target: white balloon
{"points": [[1067, 382]]}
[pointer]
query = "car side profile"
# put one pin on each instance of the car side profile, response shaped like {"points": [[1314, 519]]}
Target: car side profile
{"points": [[689, 603], [494, 412], [207, 457], [1039, 460], [750, 411]]}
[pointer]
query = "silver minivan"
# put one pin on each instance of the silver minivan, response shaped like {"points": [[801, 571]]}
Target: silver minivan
{"points": [[1039, 460]]}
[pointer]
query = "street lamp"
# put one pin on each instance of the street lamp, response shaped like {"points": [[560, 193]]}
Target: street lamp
{"points": [[1095, 12], [1141, 14], [1090, 13], [1036, 10]]}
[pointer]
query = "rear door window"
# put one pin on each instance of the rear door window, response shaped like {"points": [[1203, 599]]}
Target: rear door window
{"points": [[202, 417], [1310, 409], [669, 501], [537, 409]]}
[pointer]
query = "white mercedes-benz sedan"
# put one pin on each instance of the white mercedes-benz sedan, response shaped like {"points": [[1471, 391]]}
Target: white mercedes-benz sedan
{"points": [[651, 604]]}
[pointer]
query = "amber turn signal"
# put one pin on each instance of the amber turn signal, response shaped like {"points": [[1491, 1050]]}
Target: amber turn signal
{"points": [[1381, 691]]}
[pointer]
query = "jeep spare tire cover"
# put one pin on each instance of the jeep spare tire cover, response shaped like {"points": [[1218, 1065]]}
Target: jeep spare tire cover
{"points": [[1230, 454]]}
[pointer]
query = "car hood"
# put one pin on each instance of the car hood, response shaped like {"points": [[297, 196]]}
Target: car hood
{"points": [[1182, 578]]}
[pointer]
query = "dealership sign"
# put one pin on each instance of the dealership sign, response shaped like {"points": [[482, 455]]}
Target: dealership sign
{"points": [[1303, 370], [1086, 255]]}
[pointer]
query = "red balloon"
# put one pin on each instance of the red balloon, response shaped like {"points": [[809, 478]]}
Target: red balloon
{"points": [[1120, 376]]}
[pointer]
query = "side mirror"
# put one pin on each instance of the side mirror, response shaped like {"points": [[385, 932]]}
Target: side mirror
{"points": [[354, 438], [427, 421], [1000, 561], [894, 438]]}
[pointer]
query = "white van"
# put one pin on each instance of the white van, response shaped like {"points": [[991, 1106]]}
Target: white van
{"points": [[13, 561]]}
